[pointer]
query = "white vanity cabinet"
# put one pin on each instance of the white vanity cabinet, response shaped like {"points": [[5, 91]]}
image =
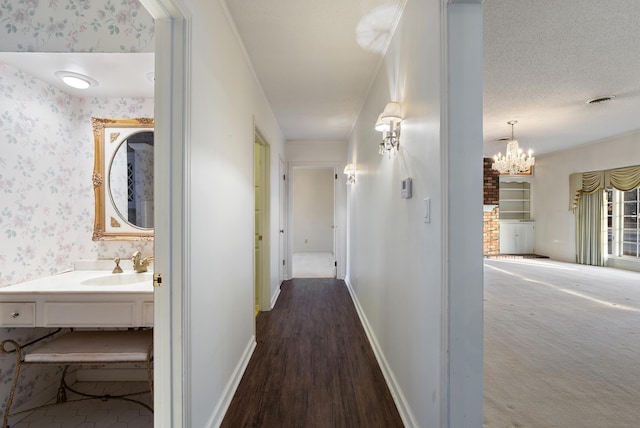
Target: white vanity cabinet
{"points": [[17, 314], [63, 301]]}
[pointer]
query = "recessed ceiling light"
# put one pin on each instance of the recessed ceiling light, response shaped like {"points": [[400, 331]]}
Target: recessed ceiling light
{"points": [[600, 100], [76, 80]]}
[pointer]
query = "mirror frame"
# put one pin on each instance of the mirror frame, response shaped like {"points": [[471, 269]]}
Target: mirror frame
{"points": [[126, 231]]}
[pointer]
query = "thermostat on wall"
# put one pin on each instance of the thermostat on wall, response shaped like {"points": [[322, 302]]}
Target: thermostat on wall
{"points": [[405, 191]]}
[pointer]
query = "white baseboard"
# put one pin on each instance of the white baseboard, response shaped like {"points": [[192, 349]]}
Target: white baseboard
{"points": [[223, 404], [275, 296], [406, 414]]}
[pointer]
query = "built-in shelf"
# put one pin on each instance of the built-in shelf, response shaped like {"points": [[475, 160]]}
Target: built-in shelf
{"points": [[515, 201]]}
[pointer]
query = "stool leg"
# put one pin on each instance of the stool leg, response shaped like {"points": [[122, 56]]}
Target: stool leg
{"points": [[14, 384], [62, 389], [150, 370]]}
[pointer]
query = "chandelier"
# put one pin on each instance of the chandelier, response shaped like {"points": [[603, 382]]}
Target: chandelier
{"points": [[514, 161]]}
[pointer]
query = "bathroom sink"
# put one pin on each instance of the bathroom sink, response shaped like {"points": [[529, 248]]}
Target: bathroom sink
{"points": [[119, 279]]}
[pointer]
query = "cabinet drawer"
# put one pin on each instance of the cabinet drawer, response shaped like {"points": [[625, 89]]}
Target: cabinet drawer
{"points": [[88, 314], [17, 314]]}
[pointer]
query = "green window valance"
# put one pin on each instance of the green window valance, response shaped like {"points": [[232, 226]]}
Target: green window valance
{"points": [[624, 179]]}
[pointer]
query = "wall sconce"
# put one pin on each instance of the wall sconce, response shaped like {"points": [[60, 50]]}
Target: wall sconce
{"points": [[350, 171], [389, 124]]}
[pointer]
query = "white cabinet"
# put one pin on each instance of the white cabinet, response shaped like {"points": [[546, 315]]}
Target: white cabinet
{"points": [[17, 314], [517, 237], [67, 300]]}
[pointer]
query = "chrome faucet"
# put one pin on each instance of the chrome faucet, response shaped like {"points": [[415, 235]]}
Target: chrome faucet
{"points": [[140, 264]]}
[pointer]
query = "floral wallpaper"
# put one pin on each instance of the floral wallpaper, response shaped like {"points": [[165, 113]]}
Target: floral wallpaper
{"points": [[46, 194], [75, 26]]}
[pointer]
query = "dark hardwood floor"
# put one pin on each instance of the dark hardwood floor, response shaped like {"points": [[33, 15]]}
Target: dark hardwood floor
{"points": [[312, 366]]}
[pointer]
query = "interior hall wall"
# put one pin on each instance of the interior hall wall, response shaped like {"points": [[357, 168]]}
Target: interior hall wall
{"points": [[312, 202], [395, 257], [555, 222], [226, 105]]}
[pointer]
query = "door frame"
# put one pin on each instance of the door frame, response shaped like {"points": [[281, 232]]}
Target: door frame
{"points": [[171, 238], [282, 221], [339, 214], [264, 290]]}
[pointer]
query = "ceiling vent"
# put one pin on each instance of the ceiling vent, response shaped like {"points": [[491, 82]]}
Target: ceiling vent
{"points": [[600, 100]]}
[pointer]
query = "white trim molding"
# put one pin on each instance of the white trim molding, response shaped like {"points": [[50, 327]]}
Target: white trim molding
{"points": [[172, 113], [408, 419], [232, 386], [462, 270]]}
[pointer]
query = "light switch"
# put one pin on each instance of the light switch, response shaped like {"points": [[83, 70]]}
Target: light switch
{"points": [[427, 210]]}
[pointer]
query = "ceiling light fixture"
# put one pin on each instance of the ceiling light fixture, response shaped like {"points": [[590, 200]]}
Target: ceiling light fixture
{"points": [[514, 161], [76, 80], [389, 124]]}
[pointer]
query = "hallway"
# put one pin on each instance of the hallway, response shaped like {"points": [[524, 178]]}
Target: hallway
{"points": [[313, 365]]}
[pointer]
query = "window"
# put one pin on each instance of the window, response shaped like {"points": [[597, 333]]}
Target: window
{"points": [[623, 223]]}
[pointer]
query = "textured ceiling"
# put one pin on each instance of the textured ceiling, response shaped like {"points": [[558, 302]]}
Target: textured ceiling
{"points": [[544, 59]]}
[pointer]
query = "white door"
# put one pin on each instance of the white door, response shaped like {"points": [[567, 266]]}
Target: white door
{"points": [[282, 222]]}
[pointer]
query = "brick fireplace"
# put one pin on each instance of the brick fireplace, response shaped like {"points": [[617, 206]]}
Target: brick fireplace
{"points": [[491, 212]]}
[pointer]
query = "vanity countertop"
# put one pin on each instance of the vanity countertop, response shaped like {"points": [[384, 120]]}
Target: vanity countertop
{"points": [[87, 297], [71, 282]]}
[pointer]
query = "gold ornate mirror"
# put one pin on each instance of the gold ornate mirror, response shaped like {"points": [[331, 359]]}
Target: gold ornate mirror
{"points": [[123, 179]]}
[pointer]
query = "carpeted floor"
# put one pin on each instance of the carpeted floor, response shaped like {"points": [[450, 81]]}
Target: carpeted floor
{"points": [[561, 345], [313, 265]]}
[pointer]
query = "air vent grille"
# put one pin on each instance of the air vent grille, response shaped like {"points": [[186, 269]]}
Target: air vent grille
{"points": [[600, 100]]}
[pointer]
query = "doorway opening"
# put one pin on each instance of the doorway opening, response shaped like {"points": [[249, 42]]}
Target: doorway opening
{"points": [[262, 220], [313, 222]]}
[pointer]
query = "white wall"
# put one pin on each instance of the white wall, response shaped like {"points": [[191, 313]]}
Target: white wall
{"points": [[316, 151], [404, 272], [225, 103], [312, 216], [555, 223], [395, 259]]}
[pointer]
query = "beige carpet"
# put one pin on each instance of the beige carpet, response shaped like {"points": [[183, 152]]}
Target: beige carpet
{"points": [[313, 265], [561, 345]]}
